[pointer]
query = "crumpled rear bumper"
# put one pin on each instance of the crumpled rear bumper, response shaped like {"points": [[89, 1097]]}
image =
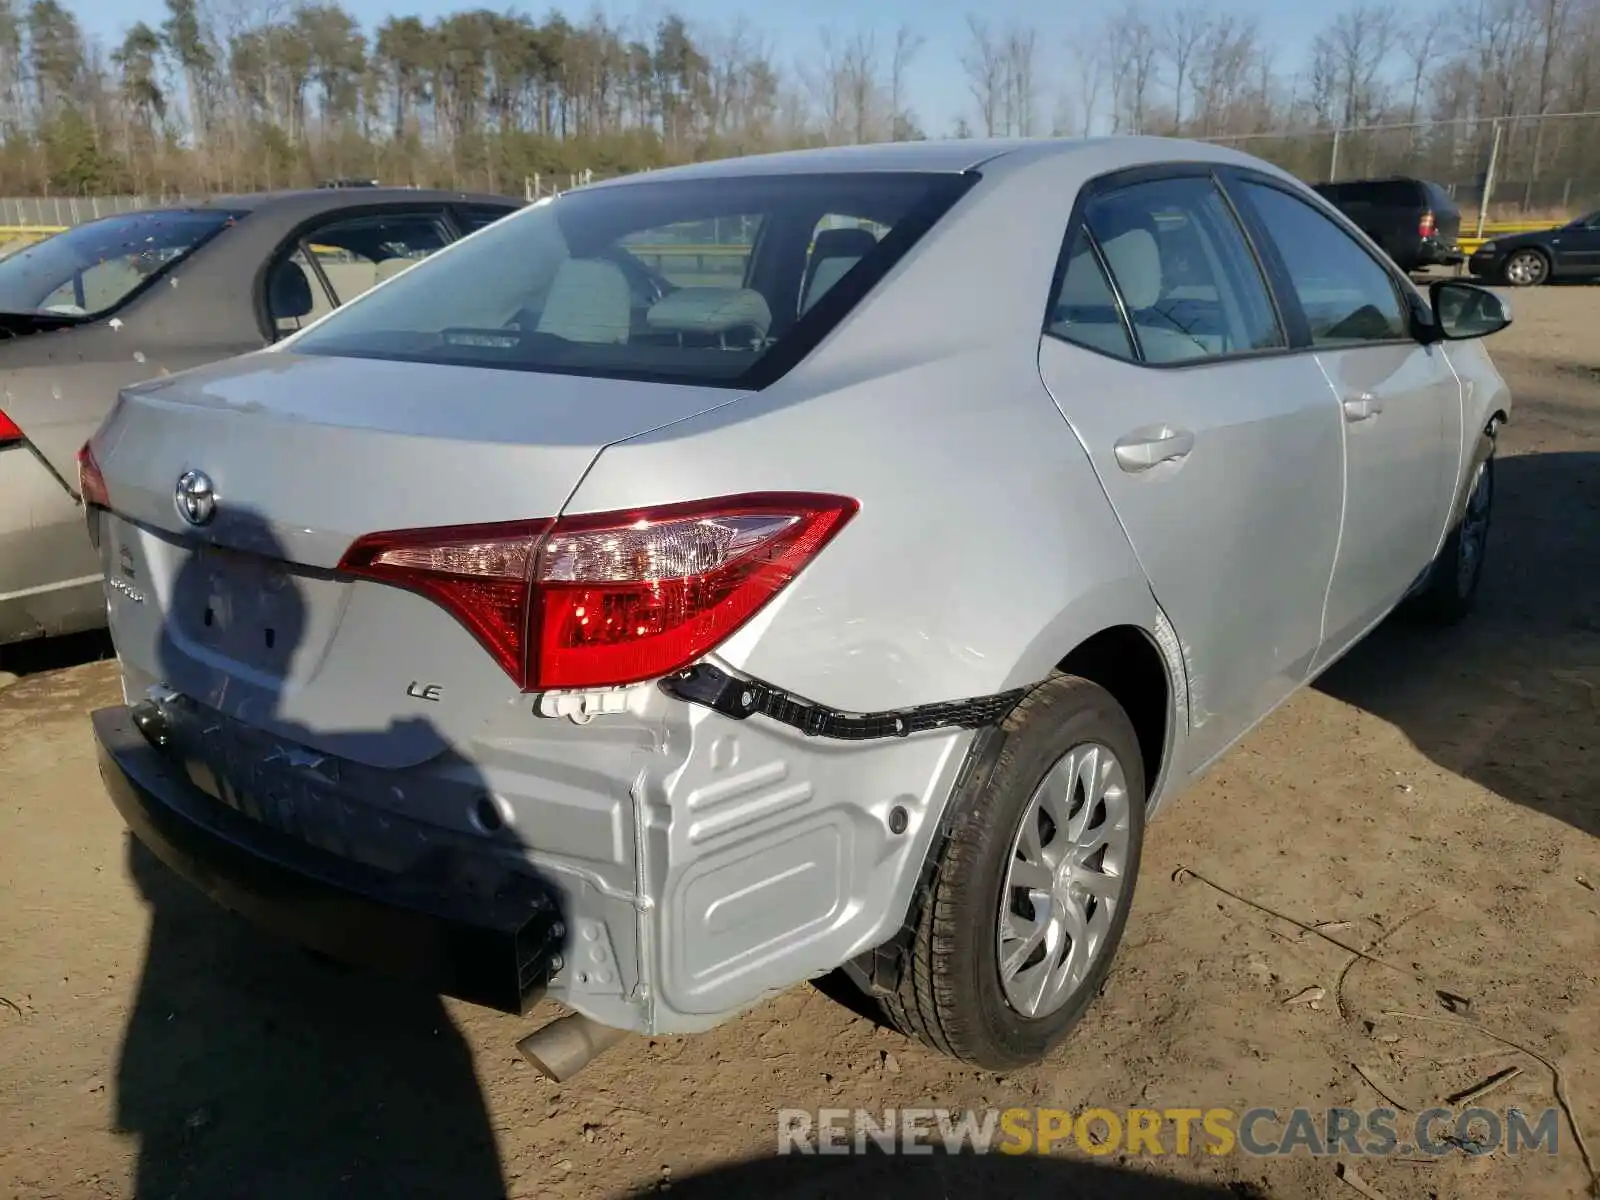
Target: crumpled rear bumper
{"points": [[497, 950]]}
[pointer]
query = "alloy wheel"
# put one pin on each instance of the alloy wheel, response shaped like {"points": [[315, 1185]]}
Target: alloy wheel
{"points": [[1065, 881]]}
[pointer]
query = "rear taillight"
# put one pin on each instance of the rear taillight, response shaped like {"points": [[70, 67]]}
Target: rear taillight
{"points": [[609, 599], [91, 483], [1425, 227], [10, 431]]}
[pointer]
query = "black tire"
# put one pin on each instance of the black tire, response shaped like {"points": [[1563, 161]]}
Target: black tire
{"points": [[1451, 591], [1536, 259], [949, 994]]}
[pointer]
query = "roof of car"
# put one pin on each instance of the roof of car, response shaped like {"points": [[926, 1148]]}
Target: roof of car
{"points": [[310, 201], [939, 155]]}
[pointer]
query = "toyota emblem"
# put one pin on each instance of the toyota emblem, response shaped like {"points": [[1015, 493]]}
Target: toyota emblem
{"points": [[195, 497]]}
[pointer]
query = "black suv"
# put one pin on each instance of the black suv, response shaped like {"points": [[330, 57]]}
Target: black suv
{"points": [[1415, 222]]}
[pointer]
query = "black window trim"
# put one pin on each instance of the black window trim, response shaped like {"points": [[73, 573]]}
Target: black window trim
{"points": [[1292, 321], [1125, 177]]}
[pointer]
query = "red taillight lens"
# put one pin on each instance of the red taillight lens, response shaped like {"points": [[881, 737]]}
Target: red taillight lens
{"points": [[610, 599], [620, 599], [479, 573], [1426, 227], [91, 483], [10, 431]]}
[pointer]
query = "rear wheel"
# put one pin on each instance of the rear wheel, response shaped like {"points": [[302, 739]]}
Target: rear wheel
{"points": [[1031, 890], [1526, 268]]}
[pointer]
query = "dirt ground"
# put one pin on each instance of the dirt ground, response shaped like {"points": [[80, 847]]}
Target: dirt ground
{"points": [[1437, 791]]}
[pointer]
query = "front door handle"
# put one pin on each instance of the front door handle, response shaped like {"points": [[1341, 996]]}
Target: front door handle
{"points": [[1143, 449], [1362, 408]]}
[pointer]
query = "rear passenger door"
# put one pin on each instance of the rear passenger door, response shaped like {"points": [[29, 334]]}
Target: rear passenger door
{"points": [[1399, 402], [1217, 444]]}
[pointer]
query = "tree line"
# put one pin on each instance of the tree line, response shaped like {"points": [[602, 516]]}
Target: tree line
{"points": [[251, 94]]}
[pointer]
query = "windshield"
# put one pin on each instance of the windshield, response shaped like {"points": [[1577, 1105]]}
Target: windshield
{"points": [[717, 281], [89, 270]]}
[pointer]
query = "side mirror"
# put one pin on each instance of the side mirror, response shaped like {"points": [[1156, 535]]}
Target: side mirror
{"points": [[1462, 311]]}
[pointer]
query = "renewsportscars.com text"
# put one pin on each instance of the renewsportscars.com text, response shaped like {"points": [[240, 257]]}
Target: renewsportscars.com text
{"points": [[1263, 1132]]}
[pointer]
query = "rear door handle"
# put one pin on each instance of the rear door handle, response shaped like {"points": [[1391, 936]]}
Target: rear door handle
{"points": [[1362, 408], [1143, 449]]}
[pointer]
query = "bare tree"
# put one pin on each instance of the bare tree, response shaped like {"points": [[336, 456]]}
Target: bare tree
{"points": [[1021, 44], [1182, 31], [1088, 55], [906, 44], [1420, 45], [984, 64], [826, 80], [860, 66], [1354, 47], [1221, 70]]}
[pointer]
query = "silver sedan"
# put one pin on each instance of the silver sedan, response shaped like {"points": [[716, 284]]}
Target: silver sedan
{"points": [[827, 561]]}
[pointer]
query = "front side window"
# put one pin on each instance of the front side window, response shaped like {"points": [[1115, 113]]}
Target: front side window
{"points": [[694, 281], [90, 270], [1187, 278], [1348, 298]]}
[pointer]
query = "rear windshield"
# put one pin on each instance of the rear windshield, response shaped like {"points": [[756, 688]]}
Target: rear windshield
{"points": [[1440, 199], [91, 269], [718, 281]]}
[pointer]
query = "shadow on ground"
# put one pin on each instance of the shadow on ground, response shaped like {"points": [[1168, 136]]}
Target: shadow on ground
{"points": [[920, 1176], [1509, 698], [55, 654], [250, 1068]]}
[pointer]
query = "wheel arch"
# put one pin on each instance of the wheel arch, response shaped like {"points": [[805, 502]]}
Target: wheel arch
{"points": [[1131, 663]]}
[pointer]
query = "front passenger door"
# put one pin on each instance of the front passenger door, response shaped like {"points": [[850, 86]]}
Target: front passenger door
{"points": [[1580, 246], [1399, 401]]}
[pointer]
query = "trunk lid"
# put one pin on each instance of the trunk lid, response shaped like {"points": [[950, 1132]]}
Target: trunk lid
{"points": [[246, 614]]}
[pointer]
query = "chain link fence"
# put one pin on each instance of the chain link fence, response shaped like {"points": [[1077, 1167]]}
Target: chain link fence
{"points": [[1534, 169], [1540, 169]]}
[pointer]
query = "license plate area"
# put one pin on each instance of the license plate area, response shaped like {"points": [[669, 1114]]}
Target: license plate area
{"points": [[242, 606]]}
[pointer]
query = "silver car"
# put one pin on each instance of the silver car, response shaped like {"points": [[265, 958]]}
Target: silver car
{"points": [[820, 562], [150, 293]]}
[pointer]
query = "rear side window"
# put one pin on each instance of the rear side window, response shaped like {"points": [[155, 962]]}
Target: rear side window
{"points": [[358, 253], [1347, 297], [1439, 200], [692, 281], [1085, 310], [1188, 281], [473, 217]]}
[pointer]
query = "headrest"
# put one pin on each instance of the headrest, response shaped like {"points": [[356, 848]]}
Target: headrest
{"points": [[289, 291], [388, 268], [590, 302], [843, 243], [712, 311], [1135, 262]]}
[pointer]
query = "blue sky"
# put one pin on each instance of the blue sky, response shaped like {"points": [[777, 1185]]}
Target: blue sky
{"points": [[938, 90]]}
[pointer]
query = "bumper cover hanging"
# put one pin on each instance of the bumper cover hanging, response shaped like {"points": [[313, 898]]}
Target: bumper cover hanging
{"points": [[741, 698]]}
